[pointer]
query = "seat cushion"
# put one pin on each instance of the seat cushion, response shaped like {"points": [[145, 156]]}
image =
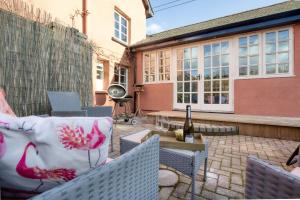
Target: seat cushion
{"points": [[296, 171]]}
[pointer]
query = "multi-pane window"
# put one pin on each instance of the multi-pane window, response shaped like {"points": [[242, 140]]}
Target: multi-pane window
{"points": [[277, 52], [249, 55], [149, 67], [121, 27], [164, 65], [187, 75], [99, 72], [216, 73], [121, 76]]}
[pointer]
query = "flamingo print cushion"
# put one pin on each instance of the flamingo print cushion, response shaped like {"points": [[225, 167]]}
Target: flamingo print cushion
{"points": [[37, 154]]}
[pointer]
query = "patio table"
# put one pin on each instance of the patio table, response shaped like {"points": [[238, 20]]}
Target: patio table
{"points": [[187, 162]]}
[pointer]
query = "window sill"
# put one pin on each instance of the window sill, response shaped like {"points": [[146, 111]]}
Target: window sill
{"points": [[101, 92], [119, 41], [266, 76]]}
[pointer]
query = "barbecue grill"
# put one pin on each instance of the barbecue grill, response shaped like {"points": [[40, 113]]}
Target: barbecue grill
{"points": [[118, 95]]}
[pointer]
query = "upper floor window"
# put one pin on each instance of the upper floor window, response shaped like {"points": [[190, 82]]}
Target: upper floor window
{"points": [[277, 52], [249, 55], [164, 65], [121, 27], [121, 76]]}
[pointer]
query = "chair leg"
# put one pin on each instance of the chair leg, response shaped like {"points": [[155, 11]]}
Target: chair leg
{"points": [[205, 169]]}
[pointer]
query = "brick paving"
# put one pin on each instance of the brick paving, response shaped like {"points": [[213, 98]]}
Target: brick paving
{"points": [[226, 163]]}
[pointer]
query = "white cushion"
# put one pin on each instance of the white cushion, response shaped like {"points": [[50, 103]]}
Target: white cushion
{"points": [[296, 171]]}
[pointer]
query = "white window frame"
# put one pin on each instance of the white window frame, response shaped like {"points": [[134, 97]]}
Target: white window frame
{"points": [[119, 76], [156, 68], [119, 37], [262, 63]]}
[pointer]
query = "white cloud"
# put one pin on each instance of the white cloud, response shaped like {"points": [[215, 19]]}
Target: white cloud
{"points": [[154, 28]]}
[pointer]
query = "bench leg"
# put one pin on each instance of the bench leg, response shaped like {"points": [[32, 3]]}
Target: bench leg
{"points": [[193, 187], [112, 141], [205, 169]]}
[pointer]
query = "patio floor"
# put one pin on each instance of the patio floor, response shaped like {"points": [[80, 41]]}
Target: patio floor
{"points": [[226, 163]]}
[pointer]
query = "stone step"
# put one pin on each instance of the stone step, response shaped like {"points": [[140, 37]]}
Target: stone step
{"points": [[206, 129]]}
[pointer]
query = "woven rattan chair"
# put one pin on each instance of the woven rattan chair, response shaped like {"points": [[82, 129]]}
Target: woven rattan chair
{"points": [[134, 175], [67, 104], [266, 181]]}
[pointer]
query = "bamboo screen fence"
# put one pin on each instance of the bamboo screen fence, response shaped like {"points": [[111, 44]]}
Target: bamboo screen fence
{"points": [[35, 58]]}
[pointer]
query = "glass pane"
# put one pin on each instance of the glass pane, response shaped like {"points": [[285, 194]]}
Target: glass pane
{"points": [[179, 98], [161, 77], [167, 61], [207, 98], [253, 60], [216, 61], [116, 79], [146, 79], [225, 47], [187, 75], [124, 30], [116, 33], [271, 58], [225, 72], [225, 85], [124, 22], [122, 79], [186, 98], [283, 35], [187, 64], [254, 70], [283, 46], [216, 86], [194, 86], [160, 54], [187, 87], [194, 63], [216, 73], [207, 86], [243, 71], [194, 98], [283, 68], [253, 39], [195, 52], [186, 53], [179, 87], [179, 76], [167, 77], [152, 78], [243, 42], [207, 74], [179, 64], [116, 17], [283, 57], [207, 62], [194, 74], [117, 26], [179, 54], [271, 37], [271, 69], [167, 54], [216, 98], [225, 60], [207, 50], [124, 38], [243, 61], [225, 98], [271, 48], [253, 50], [243, 51], [167, 69], [216, 49]]}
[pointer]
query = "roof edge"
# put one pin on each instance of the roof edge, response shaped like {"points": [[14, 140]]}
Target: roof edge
{"points": [[148, 8]]}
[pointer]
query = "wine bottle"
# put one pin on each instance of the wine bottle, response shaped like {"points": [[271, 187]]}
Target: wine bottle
{"points": [[188, 129]]}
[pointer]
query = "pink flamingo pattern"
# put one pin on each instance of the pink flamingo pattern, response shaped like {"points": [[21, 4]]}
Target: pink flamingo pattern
{"points": [[4, 124], [57, 174], [76, 138], [2, 145]]}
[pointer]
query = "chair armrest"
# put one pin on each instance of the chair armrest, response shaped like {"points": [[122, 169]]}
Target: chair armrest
{"points": [[266, 181], [98, 111], [80, 113]]}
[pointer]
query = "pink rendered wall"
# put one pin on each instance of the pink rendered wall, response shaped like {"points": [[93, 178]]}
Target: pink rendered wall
{"points": [[156, 97], [271, 96]]}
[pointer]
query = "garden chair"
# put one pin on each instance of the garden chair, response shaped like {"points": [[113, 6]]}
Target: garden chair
{"points": [[133, 175], [266, 181], [67, 104]]}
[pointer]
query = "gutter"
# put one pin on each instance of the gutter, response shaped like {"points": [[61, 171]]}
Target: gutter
{"points": [[220, 31]]}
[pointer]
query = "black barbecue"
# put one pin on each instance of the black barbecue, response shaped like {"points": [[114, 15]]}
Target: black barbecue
{"points": [[118, 94]]}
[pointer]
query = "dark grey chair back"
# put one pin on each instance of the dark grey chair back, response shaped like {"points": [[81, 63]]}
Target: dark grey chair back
{"points": [[64, 101]]}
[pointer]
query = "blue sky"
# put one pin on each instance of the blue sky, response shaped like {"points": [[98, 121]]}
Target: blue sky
{"points": [[197, 11]]}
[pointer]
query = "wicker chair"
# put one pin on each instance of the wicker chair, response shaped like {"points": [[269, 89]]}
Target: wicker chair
{"points": [[265, 181], [67, 104], [133, 175]]}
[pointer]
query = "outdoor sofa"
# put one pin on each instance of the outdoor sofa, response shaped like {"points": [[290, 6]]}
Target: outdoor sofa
{"points": [[266, 181]]}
